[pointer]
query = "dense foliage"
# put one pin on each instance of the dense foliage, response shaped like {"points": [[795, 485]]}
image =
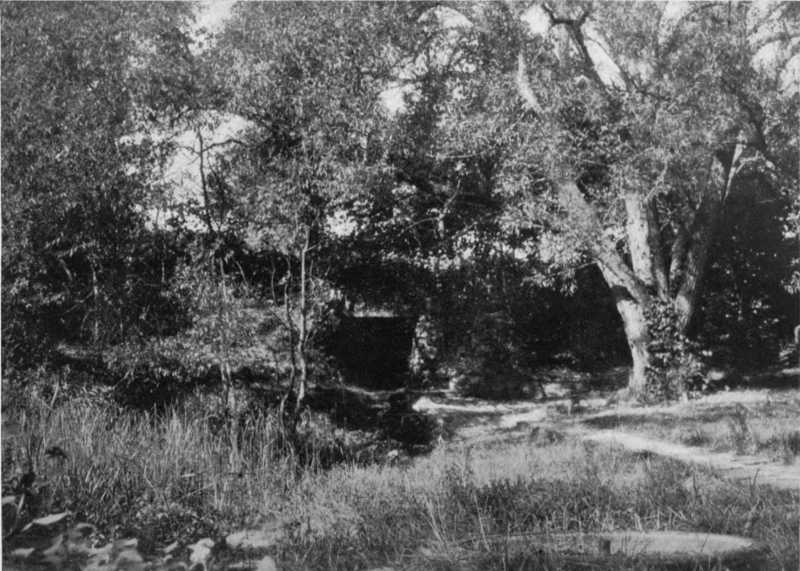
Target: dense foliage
{"points": [[450, 162], [79, 261]]}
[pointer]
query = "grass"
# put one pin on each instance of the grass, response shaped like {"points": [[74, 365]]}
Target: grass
{"points": [[768, 428], [414, 519], [147, 475], [168, 477]]}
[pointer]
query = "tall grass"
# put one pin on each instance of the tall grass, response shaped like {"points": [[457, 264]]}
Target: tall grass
{"points": [[158, 476], [419, 517], [165, 477]]}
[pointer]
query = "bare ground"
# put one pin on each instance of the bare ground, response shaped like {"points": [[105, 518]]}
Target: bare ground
{"points": [[473, 421], [728, 465]]}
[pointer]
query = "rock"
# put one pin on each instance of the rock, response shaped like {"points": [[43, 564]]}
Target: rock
{"points": [[56, 554], [256, 538], [170, 548], [322, 520], [130, 543], [662, 549], [201, 551], [22, 553], [266, 564], [129, 560], [47, 521], [99, 558], [543, 436]]}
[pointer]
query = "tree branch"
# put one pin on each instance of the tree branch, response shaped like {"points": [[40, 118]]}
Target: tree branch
{"points": [[574, 28], [524, 87], [582, 218]]}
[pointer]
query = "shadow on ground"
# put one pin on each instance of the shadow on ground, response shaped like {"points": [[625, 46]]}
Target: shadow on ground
{"points": [[388, 412]]}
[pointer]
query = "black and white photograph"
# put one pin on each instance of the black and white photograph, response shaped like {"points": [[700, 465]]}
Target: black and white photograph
{"points": [[407, 285]]}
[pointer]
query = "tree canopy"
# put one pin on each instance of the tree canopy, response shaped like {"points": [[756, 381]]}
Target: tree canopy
{"points": [[391, 153]]}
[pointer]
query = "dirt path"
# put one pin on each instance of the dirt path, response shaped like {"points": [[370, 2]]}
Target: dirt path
{"points": [[480, 421], [726, 464]]}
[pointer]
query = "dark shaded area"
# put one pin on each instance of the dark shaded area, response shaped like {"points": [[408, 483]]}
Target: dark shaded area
{"points": [[388, 412], [530, 326], [373, 352], [746, 313]]}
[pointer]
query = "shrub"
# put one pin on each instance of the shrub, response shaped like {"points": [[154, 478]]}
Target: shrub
{"points": [[675, 367], [490, 364]]}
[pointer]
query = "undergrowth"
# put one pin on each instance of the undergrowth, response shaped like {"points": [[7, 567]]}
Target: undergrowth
{"points": [[164, 478]]}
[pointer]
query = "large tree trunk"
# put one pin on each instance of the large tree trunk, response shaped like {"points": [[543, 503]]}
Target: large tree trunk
{"points": [[630, 292], [634, 321], [631, 285], [638, 336], [644, 244]]}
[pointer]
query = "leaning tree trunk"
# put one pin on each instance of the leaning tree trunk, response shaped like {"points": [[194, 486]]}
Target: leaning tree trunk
{"points": [[637, 333], [649, 268], [631, 292]]}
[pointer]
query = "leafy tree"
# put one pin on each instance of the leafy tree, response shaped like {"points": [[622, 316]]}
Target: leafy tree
{"points": [[79, 81], [307, 79], [637, 126], [687, 129], [308, 100]]}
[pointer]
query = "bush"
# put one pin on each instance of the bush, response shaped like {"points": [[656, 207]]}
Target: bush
{"points": [[675, 366], [490, 364]]}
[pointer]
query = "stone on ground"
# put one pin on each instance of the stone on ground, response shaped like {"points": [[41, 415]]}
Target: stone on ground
{"points": [[660, 548], [255, 538]]}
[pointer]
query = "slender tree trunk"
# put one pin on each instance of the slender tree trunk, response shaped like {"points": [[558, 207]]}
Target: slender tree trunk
{"points": [[204, 185], [700, 235], [302, 336], [231, 401], [96, 303], [289, 320]]}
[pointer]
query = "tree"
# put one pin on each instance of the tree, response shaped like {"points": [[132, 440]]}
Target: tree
{"points": [[687, 133], [636, 130], [307, 80], [79, 81]]}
